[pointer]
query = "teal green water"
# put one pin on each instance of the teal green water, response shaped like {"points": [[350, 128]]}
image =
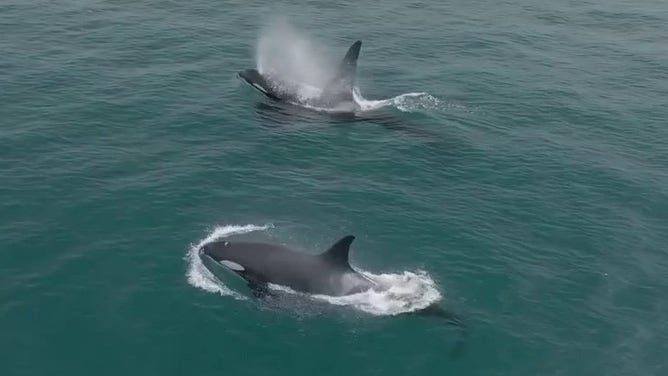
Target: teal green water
{"points": [[531, 187]]}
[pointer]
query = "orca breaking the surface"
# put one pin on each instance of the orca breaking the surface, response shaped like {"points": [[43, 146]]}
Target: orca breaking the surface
{"points": [[328, 273], [337, 95]]}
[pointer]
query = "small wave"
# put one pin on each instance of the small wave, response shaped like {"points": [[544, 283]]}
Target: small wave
{"points": [[199, 276], [407, 102]]}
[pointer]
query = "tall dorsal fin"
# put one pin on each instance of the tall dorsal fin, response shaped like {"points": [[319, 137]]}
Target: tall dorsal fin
{"points": [[348, 65], [344, 80], [338, 253]]}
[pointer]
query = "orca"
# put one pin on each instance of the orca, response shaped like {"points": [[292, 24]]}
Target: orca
{"points": [[259, 264], [336, 95], [328, 273]]}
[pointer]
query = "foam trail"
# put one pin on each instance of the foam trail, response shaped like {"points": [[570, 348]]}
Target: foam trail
{"points": [[199, 276], [398, 293], [408, 102]]}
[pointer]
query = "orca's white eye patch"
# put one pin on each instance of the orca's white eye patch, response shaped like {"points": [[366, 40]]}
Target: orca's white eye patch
{"points": [[232, 265]]}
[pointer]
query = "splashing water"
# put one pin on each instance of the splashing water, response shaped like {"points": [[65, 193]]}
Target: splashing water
{"points": [[397, 293], [408, 102], [199, 276]]}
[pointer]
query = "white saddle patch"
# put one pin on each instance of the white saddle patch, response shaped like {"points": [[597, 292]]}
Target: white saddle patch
{"points": [[232, 265]]}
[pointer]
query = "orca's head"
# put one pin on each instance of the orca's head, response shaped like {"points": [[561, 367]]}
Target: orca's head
{"points": [[222, 252], [217, 250], [252, 76]]}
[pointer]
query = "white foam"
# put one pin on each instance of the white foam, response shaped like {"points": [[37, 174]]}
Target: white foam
{"points": [[408, 102], [199, 276], [397, 293]]}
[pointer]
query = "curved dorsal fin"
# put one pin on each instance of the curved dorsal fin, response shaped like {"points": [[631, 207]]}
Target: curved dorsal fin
{"points": [[338, 253], [344, 79], [348, 65]]}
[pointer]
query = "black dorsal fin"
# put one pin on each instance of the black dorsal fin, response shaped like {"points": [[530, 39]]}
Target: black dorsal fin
{"points": [[348, 65], [338, 253], [344, 80]]}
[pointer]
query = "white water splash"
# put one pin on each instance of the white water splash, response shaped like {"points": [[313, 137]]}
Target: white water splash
{"points": [[408, 102], [396, 293], [199, 276]]}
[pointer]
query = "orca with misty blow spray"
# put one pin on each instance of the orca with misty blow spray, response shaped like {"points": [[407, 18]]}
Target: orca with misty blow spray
{"points": [[336, 95], [302, 88]]}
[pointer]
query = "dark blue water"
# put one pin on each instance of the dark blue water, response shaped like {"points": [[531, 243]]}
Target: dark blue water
{"points": [[516, 175]]}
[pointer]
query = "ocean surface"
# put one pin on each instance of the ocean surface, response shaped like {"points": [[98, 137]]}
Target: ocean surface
{"points": [[510, 164]]}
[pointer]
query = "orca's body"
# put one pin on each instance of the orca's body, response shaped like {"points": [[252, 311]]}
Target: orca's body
{"points": [[336, 95], [328, 273]]}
